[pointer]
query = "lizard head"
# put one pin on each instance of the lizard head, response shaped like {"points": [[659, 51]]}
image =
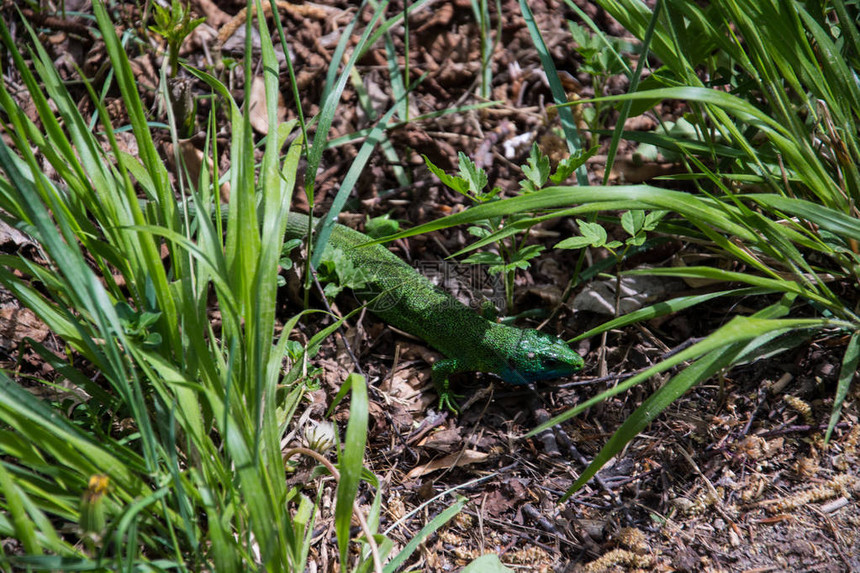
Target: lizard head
{"points": [[540, 356]]}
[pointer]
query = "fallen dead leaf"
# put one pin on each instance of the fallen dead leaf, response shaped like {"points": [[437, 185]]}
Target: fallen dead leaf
{"points": [[443, 441], [193, 158], [11, 238], [496, 503], [458, 460], [19, 323], [636, 292], [258, 117]]}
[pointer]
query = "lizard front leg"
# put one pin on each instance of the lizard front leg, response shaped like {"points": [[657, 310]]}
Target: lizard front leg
{"points": [[442, 369]]}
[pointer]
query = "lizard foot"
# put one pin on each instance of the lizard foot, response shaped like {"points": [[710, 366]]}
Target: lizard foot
{"points": [[448, 401]]}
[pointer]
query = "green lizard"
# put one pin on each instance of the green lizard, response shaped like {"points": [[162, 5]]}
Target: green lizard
{"points": [[405, 299]]}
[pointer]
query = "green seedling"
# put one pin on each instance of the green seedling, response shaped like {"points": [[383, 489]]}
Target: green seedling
{"points": [[512, 253], [174, 24]]}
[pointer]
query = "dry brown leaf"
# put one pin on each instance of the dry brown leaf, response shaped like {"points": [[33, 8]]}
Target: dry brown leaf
{"points": [[460, 459], [447, 440], [12, 238], [19, 323], [257, 116]]}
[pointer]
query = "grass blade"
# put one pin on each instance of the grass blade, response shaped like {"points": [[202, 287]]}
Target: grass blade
{"points": [[434, 525], [664, 308], [568, 124], [739, 329], [351, 458], [847, 373], [700, 370]]}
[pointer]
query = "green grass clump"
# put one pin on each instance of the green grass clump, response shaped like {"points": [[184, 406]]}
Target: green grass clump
{"points": [[190, 481], [774, 164], [163, 448], [775, 101]]}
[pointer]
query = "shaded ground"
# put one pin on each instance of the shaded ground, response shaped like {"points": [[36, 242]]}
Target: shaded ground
{"points": [[734, 476]]}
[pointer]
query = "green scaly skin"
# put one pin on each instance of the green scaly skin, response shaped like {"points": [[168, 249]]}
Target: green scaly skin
{"points": [[405, 299]]}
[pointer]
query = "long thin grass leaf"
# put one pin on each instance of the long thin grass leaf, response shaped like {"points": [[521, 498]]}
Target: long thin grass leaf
{"points": [[836, 222], [32, 417], [778, 285], [568, 124], [633, 196], [700, 370], [434, 525], [724, 348], [329, 108], [349, 181], [25, 530], [634, 85], [663, 308], [739, 329], [351, 458], [847, 373]]}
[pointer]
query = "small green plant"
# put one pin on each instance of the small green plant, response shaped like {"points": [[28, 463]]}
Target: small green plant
{"points": [[513, 253], [137, 324], [382, 226], [636, 223], [601, 61], [174, 24], [338, 272], [286, 261]]}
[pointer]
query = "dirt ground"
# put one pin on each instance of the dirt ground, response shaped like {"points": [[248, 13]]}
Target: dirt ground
{"points": [[734, 476]]}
